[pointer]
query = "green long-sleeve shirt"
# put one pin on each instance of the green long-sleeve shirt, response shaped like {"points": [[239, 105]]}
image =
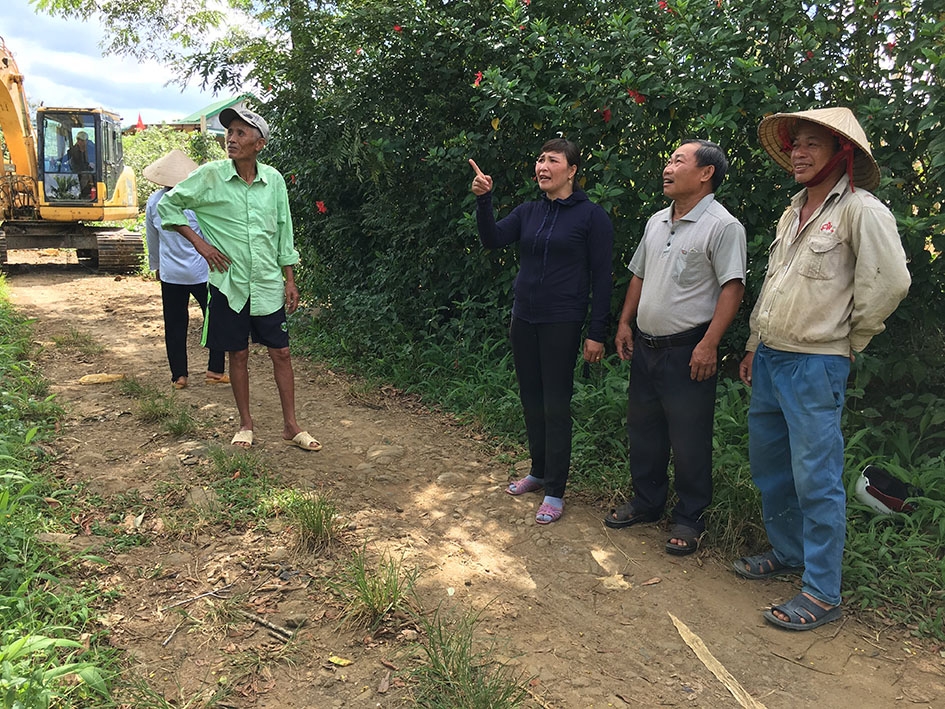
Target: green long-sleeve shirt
{"points": [[249, 223]]}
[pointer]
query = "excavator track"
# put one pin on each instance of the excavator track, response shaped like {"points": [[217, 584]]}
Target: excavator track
{"points": [[119, 250], [113, 250]]}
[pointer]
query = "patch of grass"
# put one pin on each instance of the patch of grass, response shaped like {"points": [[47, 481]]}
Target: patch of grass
{"points": [[254, 663], [241, 481], [42, 618], [600, 404], [119, 542], [221, 615], [77, 341], [458, 672], [180, 423], [155, 406], [314, 518], [233, 462], [371, 594], [137, 693], [733, 520], [906, 546], [130, 386]]}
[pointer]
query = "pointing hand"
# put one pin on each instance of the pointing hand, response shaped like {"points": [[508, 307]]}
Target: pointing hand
{"points": [[481, 183]]}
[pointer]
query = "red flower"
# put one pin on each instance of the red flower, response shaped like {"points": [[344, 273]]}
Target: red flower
{"points": [[810, 54], [526, 2], [605, 114], [663, 5], [322, 209], [890, 46], [292, 178], [398, 28], [636, 96], [478, 78], [359, 50]]}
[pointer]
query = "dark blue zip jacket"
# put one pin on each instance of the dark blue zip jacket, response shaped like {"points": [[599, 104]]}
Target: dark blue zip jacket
{"points": [[565, 255]]}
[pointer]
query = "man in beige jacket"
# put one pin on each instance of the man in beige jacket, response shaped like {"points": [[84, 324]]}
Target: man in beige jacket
{"points": [[836, 271]]}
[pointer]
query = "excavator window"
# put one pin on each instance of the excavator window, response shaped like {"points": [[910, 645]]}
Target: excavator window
{"points": [[70, 156]]}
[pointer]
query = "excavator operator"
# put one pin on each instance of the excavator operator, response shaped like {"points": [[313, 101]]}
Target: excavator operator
{"points": [[81, 159]]}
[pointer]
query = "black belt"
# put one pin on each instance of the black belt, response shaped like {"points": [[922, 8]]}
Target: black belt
{"points": [[659, 342]]}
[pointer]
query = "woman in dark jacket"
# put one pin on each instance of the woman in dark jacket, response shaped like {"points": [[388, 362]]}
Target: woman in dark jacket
{"points": [[565, 253]]}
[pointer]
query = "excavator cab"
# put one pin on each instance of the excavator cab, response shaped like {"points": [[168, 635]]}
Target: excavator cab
{"points": [[69, 159], [81, 167]]}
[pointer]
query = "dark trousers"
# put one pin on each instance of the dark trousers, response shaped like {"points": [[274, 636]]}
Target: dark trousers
{"points": [[544, 356], [175, 301], [669, 411]]}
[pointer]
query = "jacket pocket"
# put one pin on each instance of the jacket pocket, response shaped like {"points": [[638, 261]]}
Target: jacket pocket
{"points": [[820, 257]]}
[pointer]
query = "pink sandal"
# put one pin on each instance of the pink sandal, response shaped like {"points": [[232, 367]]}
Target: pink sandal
{"points": [[548, 513], [520, 487]]}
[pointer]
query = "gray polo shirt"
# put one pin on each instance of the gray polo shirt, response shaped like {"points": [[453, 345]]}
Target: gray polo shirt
{"points": [[685, 264]]}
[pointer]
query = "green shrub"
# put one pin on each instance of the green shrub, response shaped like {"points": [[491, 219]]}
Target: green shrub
{"points": [[144, 147]]}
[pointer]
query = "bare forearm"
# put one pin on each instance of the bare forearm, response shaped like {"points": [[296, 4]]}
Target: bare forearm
{"points": [[725, 311], [631, 302], [188, 233]]}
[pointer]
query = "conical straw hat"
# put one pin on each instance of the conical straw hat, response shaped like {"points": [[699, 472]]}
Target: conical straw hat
{"points": [[839, 120], [170, 169]]}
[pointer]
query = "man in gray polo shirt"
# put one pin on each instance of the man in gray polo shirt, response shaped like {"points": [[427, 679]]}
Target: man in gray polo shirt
{"points": [[688, 281]]}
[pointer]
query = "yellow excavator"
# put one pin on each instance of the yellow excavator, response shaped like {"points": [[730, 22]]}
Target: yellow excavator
{"points": [[62, 178]]}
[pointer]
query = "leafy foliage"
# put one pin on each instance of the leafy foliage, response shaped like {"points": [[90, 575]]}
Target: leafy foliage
{"points": [[379, 176], [143, 148]]}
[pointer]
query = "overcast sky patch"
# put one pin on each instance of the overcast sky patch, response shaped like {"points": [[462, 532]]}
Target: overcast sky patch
{"points": [[63, 65]]}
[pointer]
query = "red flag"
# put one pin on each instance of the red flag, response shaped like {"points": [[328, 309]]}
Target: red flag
{"points": [[140, 124]]}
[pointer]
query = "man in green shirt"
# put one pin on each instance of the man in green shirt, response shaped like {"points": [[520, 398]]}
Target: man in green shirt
{"points": [[242, 207]]}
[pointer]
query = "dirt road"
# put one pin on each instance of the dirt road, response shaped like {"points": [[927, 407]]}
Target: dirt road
{"points": [[582, 609]]}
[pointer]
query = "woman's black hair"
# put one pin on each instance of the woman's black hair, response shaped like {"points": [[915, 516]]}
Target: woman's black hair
{"points": [[565, 147]]}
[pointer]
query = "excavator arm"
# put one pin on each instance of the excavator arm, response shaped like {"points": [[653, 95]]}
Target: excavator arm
{"points": [[18, 136]]}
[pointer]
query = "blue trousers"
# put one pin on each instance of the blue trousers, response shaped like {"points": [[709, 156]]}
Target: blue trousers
{"points": [[667, 410], [544, 356], [795, 448]]}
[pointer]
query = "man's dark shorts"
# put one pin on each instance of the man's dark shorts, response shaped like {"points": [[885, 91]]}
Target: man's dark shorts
{"points": [[229, 331]]}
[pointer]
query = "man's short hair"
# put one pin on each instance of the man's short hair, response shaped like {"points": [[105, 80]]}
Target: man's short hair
{"points": [[562, 145], [81, 135], [710, 153]]}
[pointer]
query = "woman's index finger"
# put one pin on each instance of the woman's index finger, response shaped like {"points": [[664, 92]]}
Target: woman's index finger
{"points": [[475, 167]]}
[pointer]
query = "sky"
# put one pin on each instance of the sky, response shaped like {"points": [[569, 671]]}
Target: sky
{"points": [[63, 65]]}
